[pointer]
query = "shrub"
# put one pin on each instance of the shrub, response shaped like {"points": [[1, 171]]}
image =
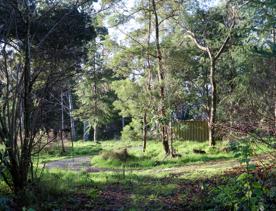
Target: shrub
{"points": [[121, 155], [132, 131], [246, 191]]}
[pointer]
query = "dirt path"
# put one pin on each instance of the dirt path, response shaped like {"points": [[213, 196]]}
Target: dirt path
{"points": [[74, 164]]}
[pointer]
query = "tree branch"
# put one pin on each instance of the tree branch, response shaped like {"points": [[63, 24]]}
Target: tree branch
{"points": [[191, 35], [223, 46]]}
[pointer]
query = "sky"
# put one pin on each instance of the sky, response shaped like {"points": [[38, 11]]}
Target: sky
{"points": [[132, 24]]}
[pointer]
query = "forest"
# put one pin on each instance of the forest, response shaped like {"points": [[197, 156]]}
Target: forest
{"points": [[138, 105]]}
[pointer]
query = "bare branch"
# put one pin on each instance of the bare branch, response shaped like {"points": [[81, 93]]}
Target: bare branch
{"points": [[223, 46], [191, 35]]}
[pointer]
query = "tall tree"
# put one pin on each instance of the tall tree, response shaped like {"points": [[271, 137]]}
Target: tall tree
{"points": [[93, 90], [26, 38], [211, 31]]}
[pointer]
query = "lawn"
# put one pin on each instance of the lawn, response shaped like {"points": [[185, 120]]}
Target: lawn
{"points": [[63, 190], [154, 155], [137, 159], [147, 181]]}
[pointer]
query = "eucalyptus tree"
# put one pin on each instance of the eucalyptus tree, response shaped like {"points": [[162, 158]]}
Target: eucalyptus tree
{"points": [[93, 89], [134, 90], [263, 28], [135, 74], [211, 30], [145, 47], [247, 95], [31, 37]]}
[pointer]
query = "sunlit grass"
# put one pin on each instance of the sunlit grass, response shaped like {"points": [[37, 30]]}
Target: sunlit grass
{"points": [[154, 155], [144, 180], [80, 148]]}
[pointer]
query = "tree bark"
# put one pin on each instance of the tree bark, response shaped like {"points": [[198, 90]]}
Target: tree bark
{"points": [[20, 180], [144, 131], [95, 133], [123, 122], [274, 73], [213, 105], [85, 130], [171, 139], [62, 123], [72, 122], [161, 77], [148, 87]]}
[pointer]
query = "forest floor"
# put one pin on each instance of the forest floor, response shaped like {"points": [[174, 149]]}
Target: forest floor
{"points": [[83, 163], [195, 186], [82, 179]]}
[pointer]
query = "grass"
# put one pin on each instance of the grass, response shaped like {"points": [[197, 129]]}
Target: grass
{"points": [[110, 190], [154, 155], [58, 189], [80, 148], [151, 182]]}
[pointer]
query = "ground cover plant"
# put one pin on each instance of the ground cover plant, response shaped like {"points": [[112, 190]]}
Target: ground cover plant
{"points": [[137, 105], [154, 157], [154, 188]]}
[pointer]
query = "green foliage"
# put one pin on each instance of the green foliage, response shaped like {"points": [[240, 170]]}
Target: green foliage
{"points": [[243, 150], [241, 193], [154, 157], [244, 192], [129, 101], [132, 131], [93, 90], [132, 103]]}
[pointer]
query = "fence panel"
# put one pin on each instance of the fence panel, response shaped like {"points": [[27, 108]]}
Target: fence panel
{"points": [[191, 130]]}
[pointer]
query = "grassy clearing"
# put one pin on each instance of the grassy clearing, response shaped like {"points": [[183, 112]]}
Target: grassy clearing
{"points": [[150, 182], [142, 190], [109, 190], [154, 156], [80, 148]]}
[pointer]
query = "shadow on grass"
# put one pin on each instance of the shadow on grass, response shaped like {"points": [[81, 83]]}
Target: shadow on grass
{"points": [[147, 162], [55, 153], [70, 191], [118, 192], [125, 191]]}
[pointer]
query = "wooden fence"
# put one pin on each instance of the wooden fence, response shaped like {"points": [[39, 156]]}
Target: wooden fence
{"points": [[191, 130]]}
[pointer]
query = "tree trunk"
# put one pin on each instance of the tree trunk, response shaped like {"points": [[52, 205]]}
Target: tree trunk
{"points": [[85, 130], [123, 122], [72, 122], [20, 180], [275, 118], [148, 87], [213, 105], [62, 123], [165, 141], [161, 78], [145, 131], [171, 138], [274, 73], [95, 132]]}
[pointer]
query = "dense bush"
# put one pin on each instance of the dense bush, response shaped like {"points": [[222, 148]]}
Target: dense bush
{"points": [[249, 190], [121, 155]]}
